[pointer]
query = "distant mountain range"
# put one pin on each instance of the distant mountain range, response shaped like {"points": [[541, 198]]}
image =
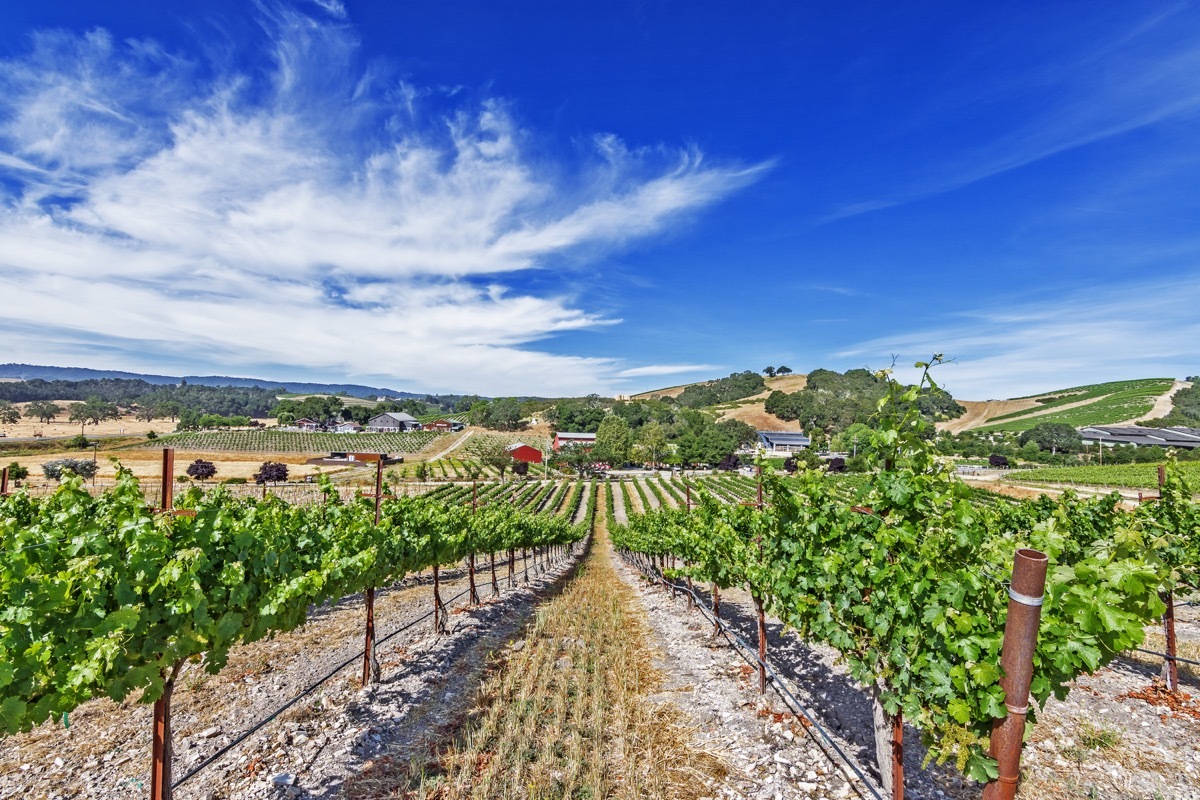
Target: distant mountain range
{"points": [[28, 372]]}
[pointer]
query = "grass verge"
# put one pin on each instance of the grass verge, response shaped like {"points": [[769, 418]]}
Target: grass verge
{"points": [[566, 713]]}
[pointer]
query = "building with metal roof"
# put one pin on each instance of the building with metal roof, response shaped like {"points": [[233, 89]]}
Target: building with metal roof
{"points": [[1185, 438], [563, 439], [783, 441]]}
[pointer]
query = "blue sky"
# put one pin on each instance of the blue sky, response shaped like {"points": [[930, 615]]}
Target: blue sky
{"points": [[559, 198]]}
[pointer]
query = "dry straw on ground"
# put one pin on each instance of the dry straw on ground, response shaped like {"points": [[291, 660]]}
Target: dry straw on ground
{"points": [[565, 713]]}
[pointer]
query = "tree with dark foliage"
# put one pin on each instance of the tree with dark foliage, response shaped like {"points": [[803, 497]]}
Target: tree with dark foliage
{"points": [[729, 462], [201, 470], [271, 472]]}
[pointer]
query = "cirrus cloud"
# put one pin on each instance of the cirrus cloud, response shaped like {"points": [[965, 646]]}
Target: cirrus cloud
{"points": [[315, 216]]}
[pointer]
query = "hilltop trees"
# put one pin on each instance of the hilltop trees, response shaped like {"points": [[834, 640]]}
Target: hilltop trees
{"points": [[737, 386], [833, 402]]}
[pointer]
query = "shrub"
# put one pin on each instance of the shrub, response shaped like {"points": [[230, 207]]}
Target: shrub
{"points": [[997, 460], [234, 481], [16, 472], [83, 467], [79, 442], [151, 435]]}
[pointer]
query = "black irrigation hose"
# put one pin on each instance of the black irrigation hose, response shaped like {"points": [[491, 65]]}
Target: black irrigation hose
{"points": [[1180, 659], [263, 722], [777, 682]]}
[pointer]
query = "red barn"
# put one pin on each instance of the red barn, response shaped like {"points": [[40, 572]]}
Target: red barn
{"points": [[523, 452]]}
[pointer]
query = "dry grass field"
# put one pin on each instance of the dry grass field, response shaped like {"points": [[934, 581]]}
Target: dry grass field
{"points": [[60, 427]]}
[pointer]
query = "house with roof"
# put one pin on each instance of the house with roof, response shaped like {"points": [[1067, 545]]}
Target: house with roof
{"points": [[306, 424], [1178, 436], [393, 422], [783, 441], [564, 439], [348, 427]]}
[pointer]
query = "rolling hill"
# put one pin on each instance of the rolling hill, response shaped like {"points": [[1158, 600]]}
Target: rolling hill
{"points": [[28, 372], [1113, 403]]}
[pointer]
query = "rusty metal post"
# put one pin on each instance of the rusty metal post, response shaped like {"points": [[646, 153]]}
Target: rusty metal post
{"points": [[1170, 665], [160, 746], [370, 664], [687, 488], [160, 766], [1016, 659], [4, 482], [1170, 671], [369, 641], [716, 609], [168, 475], [898, 756], [439, 610], [762, 646]]}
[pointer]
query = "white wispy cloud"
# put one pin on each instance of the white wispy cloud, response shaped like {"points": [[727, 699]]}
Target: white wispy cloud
{"points": [[1146, 329], [323, 215], [666, 369], [1141, 78]]}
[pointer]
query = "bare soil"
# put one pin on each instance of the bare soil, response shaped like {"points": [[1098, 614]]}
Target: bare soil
{"points": [[980, 411], [1162, 405]]}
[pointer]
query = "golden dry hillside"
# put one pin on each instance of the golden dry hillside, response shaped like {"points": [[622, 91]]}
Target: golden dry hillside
{"points": [[750, 410]]}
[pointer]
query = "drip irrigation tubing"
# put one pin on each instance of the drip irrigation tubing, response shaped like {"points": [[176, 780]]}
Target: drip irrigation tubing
{"points": [[312, 688], [1166, 657], [798, 708]]}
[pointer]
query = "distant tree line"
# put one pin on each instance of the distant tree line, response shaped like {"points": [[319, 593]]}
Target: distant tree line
{"points": [[153, 401]]}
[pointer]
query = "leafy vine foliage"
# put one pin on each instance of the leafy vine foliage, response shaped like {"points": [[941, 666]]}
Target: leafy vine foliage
{"points": [[99, 596], [906, 576]]}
